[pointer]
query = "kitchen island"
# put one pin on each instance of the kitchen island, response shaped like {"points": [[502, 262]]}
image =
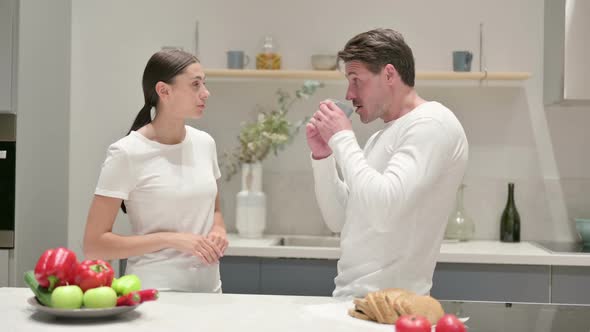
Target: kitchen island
{"points": [[234, 312]]}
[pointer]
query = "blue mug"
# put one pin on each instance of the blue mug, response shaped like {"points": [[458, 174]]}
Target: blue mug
{"points": [[462, 60], [237, 60], [344, 106]]}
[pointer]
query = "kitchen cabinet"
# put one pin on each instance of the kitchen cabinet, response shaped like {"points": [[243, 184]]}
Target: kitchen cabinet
{"points": [[278, 276], [288, 276], [3, 268], [566, 68], [451, 281], [7, 29], [492, 282], [569, 284], [240, 275]]}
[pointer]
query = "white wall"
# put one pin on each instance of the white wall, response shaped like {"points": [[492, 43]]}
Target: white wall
{"points": [[42, 132], [7, 19], [506, 126], [571, 137]]}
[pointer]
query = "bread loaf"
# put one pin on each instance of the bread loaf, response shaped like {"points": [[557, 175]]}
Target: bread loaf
{"points": [[387, 305]]}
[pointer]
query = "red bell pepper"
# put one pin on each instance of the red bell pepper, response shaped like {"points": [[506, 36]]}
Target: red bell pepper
{"points": [[148, 294], [56, 267], [94, 273], [130, 299]]}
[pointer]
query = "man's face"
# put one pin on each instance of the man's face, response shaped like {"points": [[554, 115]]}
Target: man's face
{"points": [[366, 91]]}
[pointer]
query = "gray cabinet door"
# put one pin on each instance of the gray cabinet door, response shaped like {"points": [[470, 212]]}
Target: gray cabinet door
{"points": [[492, 282], [278, 276], [7, 12], [288, 276], [240, 275], [570, 284]]}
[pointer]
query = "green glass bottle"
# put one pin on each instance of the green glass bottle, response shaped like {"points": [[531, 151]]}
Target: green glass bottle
{"points": [[510, 222]]}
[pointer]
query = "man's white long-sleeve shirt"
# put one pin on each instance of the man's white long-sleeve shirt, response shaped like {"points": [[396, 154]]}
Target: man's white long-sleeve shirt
{"points": [[393, 201]]}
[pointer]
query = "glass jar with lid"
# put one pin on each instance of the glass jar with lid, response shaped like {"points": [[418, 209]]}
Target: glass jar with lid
{"points": [[268, 58]]}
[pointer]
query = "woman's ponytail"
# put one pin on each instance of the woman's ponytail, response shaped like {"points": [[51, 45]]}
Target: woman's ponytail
{"points": [[143, 118]]}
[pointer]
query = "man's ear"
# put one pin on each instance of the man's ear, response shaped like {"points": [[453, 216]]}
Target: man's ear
{"points": [[162, 89], [390, 72]]}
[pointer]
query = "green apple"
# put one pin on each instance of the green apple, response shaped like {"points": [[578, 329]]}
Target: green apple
{"points": [[100, 297], [67, 297]]}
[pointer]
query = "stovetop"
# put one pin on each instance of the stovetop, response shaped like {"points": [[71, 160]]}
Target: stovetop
{"points": [[565, 247]]}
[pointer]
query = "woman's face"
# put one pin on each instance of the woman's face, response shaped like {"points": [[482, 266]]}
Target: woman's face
{"points": [[188, 94]]}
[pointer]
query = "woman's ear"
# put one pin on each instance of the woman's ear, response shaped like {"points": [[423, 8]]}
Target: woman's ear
{"points": [[162, 89]]}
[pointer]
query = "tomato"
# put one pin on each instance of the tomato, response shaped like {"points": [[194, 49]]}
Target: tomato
{"points": [[450, 323], [412, 323]]}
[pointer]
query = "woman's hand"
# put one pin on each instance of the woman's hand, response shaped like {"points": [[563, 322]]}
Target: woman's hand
{"points": [[218, 237], [197, 245]]}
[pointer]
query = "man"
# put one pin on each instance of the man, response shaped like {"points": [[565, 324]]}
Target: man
{"points": [[392, 203]]}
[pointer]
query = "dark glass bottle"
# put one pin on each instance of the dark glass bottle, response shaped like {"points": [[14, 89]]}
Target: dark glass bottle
{"points": [[510, 222]]}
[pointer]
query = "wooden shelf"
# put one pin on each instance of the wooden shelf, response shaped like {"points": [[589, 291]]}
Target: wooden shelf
{"points": [[337, 75]]}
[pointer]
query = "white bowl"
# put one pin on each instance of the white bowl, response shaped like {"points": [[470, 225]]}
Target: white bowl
{"points": [[324, 61]]}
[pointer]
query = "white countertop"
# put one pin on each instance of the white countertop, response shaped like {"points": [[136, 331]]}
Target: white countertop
{"points": [[482, 252], [194, 312]]}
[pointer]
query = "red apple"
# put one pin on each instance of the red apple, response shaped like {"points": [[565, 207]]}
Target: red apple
{"points": [[412, 323], [450, 323]]}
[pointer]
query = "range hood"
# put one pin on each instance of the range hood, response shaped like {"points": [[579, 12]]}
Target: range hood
{"points": [[567, 52]]}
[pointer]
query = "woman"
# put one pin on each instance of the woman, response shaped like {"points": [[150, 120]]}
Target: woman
{"points": [[163, 174]]}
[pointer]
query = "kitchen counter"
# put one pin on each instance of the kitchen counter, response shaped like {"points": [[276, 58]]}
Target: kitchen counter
{"points": [[231, 312], [481, 252]]}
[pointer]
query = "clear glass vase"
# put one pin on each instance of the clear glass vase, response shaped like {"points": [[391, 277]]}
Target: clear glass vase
{"points": [[251, 202], [460, 226]]}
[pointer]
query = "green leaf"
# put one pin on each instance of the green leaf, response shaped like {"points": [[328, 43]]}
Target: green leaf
{"points": [[270, 132]]}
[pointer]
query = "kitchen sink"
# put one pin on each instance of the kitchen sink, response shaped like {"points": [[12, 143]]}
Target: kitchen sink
{"points": [[309, 241]]}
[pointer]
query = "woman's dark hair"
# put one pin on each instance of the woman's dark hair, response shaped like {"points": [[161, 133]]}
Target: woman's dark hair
{"points": [[163, 66], [379, 47]]}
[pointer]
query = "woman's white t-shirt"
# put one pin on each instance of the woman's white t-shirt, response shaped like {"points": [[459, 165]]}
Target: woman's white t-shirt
{"points": [[166, 188]]}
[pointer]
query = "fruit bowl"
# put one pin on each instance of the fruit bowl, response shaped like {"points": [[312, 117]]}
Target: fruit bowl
{"points": [[64, 287], [80, 313]]}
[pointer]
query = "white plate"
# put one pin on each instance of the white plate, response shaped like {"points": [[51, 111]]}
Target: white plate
{"points": [[80, 313]]}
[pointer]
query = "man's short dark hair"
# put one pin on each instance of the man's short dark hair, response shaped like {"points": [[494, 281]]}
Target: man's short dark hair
{"points": [[379, 47]]}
